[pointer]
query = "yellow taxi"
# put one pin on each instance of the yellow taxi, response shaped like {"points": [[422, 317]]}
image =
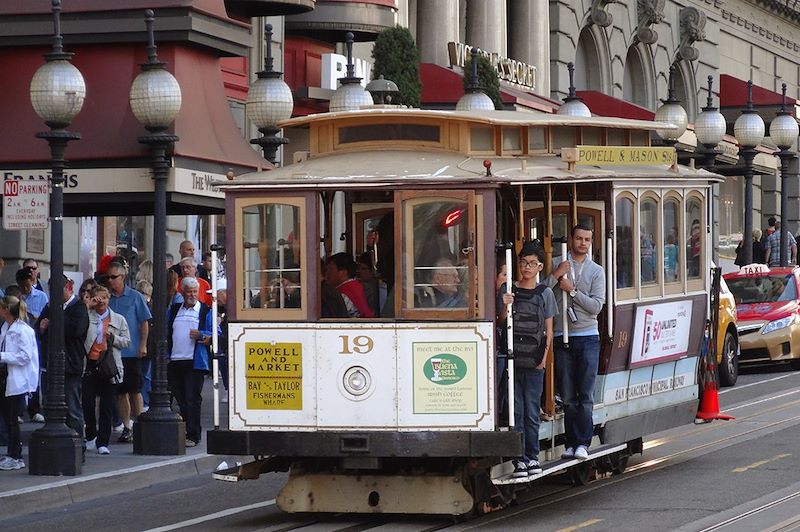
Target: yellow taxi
{"points": [[768, 311], [727, 337]]}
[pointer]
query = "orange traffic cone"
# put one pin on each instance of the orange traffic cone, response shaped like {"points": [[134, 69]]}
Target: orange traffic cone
{"points": [[709, 404]]}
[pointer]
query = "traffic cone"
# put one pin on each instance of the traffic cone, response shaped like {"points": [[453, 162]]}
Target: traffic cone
{"points": [[709, 403]]}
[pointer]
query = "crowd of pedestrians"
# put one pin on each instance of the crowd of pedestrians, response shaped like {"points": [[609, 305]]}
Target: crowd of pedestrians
{"points": [[108, 350]]}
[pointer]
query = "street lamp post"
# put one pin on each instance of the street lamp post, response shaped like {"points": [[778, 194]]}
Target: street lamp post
{"points": [[269, 100], [673, 113], [710, 127], [749, 132], [57, 93], [783, 131], [155, 99]]}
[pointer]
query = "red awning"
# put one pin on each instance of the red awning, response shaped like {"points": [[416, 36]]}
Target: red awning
{"points": [[733, 93], [108, 128], [443, 87], [601, 104]]}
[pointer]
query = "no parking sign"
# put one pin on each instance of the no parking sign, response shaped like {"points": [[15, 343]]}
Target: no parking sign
{"points": [[26, 205]]}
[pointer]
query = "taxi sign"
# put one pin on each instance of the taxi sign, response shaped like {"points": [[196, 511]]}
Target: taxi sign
{"points": [[26, 205], [752, 269]]}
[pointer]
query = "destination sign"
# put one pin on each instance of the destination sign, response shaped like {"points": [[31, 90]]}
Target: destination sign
{"points": [[618, 155]]}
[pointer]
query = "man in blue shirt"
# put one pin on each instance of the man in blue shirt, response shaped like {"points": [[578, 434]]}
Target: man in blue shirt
{"points": [[34, 298], [132, 305]]}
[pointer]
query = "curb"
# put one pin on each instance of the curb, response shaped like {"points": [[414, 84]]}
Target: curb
{"points": [[64, 492]]}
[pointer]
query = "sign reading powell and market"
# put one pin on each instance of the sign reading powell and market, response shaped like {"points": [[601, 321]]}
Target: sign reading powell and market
{"points": [[445, 377]]}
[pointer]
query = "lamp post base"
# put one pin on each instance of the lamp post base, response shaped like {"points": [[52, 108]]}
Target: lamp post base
{"points": [[55, 452], [159, 434]]}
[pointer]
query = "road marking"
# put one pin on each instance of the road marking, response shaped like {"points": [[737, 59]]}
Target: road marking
{"points": [[743, 386], [211, 517], [590, 522], [760, 463], [770, 398]]}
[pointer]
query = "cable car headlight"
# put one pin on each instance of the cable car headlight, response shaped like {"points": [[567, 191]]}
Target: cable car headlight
{"points": [[357, 380], [778, 324]]}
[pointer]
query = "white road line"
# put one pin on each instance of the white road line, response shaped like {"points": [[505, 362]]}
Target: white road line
{"points": [[743, 386], [211, 517], [770, 398]]}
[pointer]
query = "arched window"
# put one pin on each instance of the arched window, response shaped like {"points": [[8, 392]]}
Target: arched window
{"points": [[671, 239], [648, 241], [588, 62], [624, 234], [635, 84], [694, 237]]}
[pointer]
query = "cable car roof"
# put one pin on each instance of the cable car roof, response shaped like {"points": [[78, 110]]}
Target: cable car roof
{"points": [[389, 168]]}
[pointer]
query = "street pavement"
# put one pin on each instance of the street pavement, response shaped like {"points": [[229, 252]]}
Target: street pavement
{"points": [[121, 471]]}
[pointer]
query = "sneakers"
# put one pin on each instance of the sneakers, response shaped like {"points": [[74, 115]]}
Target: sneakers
{"points": [[581, 453], [126, 436], [568, 453], [533, 467], [520, 470], [37, 418], [191, 443], [118, 428], [91, 444], [11, 464], [103, 450], [224, 398]]}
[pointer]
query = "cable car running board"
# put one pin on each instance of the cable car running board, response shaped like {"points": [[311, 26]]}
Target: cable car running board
{"points": [[250, 470], [554, 467]]}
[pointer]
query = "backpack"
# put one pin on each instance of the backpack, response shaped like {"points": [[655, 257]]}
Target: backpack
{"points": [[529, 328]]}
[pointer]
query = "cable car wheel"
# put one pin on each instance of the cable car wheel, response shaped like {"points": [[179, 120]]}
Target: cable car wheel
{"points": [[581, 474]]}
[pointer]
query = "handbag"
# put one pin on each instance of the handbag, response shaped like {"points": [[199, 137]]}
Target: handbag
{"points": [[107, 366]]}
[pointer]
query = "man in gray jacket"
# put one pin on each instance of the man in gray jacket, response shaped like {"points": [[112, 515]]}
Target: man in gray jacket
{"points": [[584, 282]]}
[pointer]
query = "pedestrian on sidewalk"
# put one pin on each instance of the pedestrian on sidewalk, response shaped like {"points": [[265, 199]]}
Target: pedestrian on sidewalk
{"points": [[76, 324], [189, 329], [107, 331], [19, 369]]}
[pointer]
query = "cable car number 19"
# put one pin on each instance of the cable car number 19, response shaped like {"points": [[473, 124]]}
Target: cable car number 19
{"points": [[359, 344]]}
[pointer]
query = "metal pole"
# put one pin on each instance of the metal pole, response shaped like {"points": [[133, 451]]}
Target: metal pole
{"points": [[564, 303], [784, 156], [55, 449], [510, 338], [748, 154], [212, 222]]}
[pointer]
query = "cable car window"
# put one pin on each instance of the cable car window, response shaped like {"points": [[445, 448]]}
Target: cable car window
{"points": [[694, 210], [271, 257], [440, 271], [537, 139], [672, 213], [481, 139], [592, 136], [511, 139], [648, 246], [563, 137], [616, 137], [371, 132], [624, 233]]}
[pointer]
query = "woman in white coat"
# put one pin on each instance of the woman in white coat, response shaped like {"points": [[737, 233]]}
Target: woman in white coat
{"points": [[19, 361]]}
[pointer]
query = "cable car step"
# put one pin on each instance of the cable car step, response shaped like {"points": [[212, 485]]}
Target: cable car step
{"points": [[506, 468]]}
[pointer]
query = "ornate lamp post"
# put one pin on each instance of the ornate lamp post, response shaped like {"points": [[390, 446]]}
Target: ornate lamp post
{"points": [[57, 94], [573, 105], [475, 99], [749, 132], [350, 96], [710, 127], [671, 112], [783, 131], [269, 101], [155, 99]]}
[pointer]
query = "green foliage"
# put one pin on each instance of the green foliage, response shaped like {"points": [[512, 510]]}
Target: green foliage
{"points": [[487, 79], [396, 57]]}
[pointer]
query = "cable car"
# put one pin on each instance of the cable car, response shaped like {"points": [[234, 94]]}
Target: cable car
{"points": [[399, 412]]}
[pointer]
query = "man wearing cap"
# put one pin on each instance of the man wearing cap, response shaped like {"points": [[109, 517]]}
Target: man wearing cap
{"points": [[76, 323]]}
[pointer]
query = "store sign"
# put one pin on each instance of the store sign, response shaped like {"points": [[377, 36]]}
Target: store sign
{"points": [[618, 155], [661, 332], [334, 67], [274, 375], [121, 180], [445, 377], [508, 69], [26, 205]]}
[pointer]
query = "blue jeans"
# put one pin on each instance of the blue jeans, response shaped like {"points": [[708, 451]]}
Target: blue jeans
{"points": [[528, 385], [576, 371], [147, 380], [502, 389], [73, 396]]}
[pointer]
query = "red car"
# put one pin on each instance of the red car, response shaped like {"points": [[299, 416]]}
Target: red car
{"points": [[768, 312]]}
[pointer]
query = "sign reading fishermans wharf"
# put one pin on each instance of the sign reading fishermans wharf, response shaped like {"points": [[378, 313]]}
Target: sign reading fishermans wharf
{"points": [[508, 69]]}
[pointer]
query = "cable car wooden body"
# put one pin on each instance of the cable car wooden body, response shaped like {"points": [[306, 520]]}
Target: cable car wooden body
{"points": [[398, 413]]}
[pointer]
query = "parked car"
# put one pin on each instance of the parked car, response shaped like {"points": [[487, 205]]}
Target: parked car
{"points": [[768, 312], [727, 337]]}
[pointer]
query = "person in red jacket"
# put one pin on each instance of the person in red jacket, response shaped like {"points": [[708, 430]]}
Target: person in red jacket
{"points": [[340, 271]]}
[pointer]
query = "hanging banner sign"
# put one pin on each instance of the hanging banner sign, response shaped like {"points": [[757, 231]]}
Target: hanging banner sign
{"points": [[26, 205]]}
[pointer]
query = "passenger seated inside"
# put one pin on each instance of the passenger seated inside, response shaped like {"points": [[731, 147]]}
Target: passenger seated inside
{"points": [[340, 271], [374, 288], [444, 290]]}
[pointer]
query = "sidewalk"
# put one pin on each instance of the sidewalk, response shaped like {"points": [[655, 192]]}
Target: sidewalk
{"points": [[119, 472]]}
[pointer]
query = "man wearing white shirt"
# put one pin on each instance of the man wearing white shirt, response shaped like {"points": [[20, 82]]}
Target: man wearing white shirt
{"points": [[189, 330]]}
